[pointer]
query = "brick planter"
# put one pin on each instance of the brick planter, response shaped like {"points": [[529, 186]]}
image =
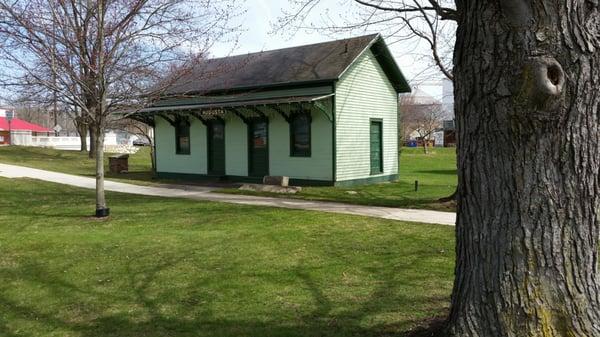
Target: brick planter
{"points": [[119, 163]]}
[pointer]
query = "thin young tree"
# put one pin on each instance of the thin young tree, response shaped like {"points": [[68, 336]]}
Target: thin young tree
{"points": [[526, 76], [140, 129], [104, 56], [424, 119]]}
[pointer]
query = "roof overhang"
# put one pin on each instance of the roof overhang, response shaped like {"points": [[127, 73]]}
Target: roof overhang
{"points": [[390, 67], [235, 104], [387, 62], [216, 110]]}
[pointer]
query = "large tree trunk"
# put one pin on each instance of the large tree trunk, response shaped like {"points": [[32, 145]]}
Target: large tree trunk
{"points": [[527, 77]]}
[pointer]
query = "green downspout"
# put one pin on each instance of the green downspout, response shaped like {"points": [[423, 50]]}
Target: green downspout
{"points": [[333, 129]]}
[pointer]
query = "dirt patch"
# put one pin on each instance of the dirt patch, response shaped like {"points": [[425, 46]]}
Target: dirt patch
{"points": [[433, 327], [447, 206]]}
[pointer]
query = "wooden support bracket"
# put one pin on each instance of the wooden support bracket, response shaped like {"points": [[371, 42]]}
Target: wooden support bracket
{"points": [[198, 115], [257, 111], [171, 119], [240, 115], [146, 119], [324, 110], [281, 112]]}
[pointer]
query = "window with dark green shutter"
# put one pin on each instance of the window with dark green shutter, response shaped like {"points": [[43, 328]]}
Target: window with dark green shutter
{"points": [[300, 142], [182, 137]]}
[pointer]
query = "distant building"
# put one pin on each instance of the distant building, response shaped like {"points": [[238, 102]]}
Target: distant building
{"points": [[11, 132], [449, 126], [448, 98], [449, 130], [421, 118], [3, 111]]}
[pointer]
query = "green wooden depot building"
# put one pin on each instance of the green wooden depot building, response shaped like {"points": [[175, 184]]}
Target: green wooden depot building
{"points": [[321, 114]]}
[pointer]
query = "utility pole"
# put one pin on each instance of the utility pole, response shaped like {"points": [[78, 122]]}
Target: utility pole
{"points": [[54, 94], [9, 117]]}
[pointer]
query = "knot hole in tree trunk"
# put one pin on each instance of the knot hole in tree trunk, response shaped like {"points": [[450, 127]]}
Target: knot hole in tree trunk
{"points": [[552, 77], [542, 85], [554, 74]]}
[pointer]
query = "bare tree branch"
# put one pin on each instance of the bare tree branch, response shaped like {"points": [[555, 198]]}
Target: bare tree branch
{"points": [[443, 12], [101, 57], [409, 21]]}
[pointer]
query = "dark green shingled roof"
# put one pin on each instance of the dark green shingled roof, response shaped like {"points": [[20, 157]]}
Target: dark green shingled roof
{"points": [[321, 62]]}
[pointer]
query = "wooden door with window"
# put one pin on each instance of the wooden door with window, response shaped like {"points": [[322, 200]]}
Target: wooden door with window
{"points": [[258, 148], [376, 147], [216, 147]]}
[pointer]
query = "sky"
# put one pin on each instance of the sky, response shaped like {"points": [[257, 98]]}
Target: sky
{"points": [[258, 35]]}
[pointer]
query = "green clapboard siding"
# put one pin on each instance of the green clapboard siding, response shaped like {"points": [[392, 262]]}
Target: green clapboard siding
{"points": [[362, 94], [318, 166], [166, 158], [236, 150]]}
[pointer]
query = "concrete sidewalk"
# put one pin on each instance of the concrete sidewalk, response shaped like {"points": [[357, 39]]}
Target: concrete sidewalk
{"points": [[204, 193]]}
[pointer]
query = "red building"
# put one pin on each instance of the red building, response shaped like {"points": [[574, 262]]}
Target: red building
{"points": [[18, 125]]}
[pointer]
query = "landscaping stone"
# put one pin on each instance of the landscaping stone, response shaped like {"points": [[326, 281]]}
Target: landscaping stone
{"points": [[276, 180], [121, 149], [271, 188]]}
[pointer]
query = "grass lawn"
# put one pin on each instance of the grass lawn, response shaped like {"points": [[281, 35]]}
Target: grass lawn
{"points": [[171, 267], [436, 173], [75, 162]]}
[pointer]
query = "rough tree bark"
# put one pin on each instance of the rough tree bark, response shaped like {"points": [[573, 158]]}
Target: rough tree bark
{"points": [[152, 153], [82, 130], [92, 152], [527, 107], [99, 151]]}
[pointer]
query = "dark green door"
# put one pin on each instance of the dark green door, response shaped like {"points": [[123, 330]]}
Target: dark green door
{"points": [[258, 148], [376, 148], [216, 148]]}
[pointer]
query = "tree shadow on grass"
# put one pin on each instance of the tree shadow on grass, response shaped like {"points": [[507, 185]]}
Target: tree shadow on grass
{"points": [[33, 153], [447, 172], [433, 327], [137, 305], [195, 316]]}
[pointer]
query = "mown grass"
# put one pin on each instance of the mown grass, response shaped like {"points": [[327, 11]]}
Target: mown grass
{"points": [[171, 267], [75, 162], [435, 172]]}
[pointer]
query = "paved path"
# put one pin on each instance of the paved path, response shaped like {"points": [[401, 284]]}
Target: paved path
{"points": [[204, 193]]}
